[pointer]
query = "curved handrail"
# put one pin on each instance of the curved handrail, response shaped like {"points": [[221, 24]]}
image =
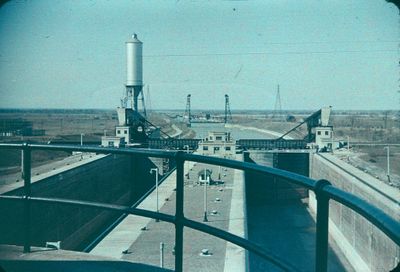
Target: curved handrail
{"points": [[166, 218], [296, 178], [323, 190]]}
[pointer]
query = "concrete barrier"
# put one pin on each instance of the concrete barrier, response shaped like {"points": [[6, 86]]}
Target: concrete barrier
{"points": [[235, 256], [365, 246], [110, 179]]}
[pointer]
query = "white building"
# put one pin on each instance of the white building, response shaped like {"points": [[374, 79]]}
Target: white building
{"points": [[324, 141], [218, 144], [112, 141]]}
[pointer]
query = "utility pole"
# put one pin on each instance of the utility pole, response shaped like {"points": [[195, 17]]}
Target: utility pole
{"points": [[187, 111], [387, 162], [348, 143], [385, 122], [278, 105], [228, 114]]}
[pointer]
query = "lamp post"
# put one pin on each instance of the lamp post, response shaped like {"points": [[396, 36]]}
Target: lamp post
{"points": [[187, 163], [205, 180], [387, 161], [162, 255], [82, 138], [151, 172]]}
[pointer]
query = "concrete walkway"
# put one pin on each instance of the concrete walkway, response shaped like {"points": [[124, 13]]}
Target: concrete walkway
{"points": [[122, 237], [225, 210], [235, 257], [146, 248]]}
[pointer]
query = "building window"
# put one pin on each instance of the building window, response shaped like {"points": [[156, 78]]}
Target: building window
{"points": [[110, 143], [118, 131], [205, 147], [228, 148], [125, 131], [218, 138], [326, 132], [319, 132], [216, 148], [211, 138]]}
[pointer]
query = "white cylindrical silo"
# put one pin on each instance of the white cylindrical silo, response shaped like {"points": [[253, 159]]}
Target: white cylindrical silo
{"points": [[134, 62]]}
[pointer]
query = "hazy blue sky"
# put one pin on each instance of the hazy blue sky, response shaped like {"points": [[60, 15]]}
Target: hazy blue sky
{"points": [[71, 54]]}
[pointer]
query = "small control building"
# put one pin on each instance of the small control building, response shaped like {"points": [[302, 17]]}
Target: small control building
{"points": [[218, 144]]}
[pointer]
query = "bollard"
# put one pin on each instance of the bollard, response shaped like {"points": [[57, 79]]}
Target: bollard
{"points": [[162, 255]]}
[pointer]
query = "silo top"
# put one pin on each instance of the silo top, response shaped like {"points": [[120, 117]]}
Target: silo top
{"points": [[133, 39]]}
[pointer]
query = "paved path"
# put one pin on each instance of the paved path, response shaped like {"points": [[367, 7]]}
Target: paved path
{"points": [[143, 246], [146, 248], [122, 237]]}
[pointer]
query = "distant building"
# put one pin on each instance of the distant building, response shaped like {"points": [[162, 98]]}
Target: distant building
{"points": [[218, 144], [129, 131], [15, 127], [112, 141]]}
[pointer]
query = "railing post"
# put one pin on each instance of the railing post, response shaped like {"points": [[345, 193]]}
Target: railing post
{"points": [[321, 255], [26, 159], [179, 212]]}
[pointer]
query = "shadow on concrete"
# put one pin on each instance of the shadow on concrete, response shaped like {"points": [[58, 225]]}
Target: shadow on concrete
{"points": [[278, 219], [288, 230]]}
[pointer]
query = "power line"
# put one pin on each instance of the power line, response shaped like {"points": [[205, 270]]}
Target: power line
{"points": [[269, 53]]}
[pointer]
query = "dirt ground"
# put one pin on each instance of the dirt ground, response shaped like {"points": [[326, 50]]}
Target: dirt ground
{"points": [[67, 125], [362, 128]]}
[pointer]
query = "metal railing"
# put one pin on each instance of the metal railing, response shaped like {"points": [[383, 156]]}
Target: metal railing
{"points": [[323, 189]]}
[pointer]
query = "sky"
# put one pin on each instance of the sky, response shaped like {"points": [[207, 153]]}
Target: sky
{"points": [[71, 54]]}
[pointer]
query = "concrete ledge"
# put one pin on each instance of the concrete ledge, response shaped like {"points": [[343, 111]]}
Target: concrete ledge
{"points": [[122, 237], [235, 257], [52, 169]]}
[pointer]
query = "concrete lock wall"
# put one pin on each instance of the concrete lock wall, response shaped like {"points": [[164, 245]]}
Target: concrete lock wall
{"points": [[265, 188], [365, 246], [111, 179]]}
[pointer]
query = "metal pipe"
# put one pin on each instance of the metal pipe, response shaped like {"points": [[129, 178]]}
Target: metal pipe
{"points": [[156, 171], [321, 251], [26, 158], [205, 180], [323, 190], [179, 216]]}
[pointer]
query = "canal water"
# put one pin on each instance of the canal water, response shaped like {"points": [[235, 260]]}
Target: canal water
{"points": [[202, 130]]}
